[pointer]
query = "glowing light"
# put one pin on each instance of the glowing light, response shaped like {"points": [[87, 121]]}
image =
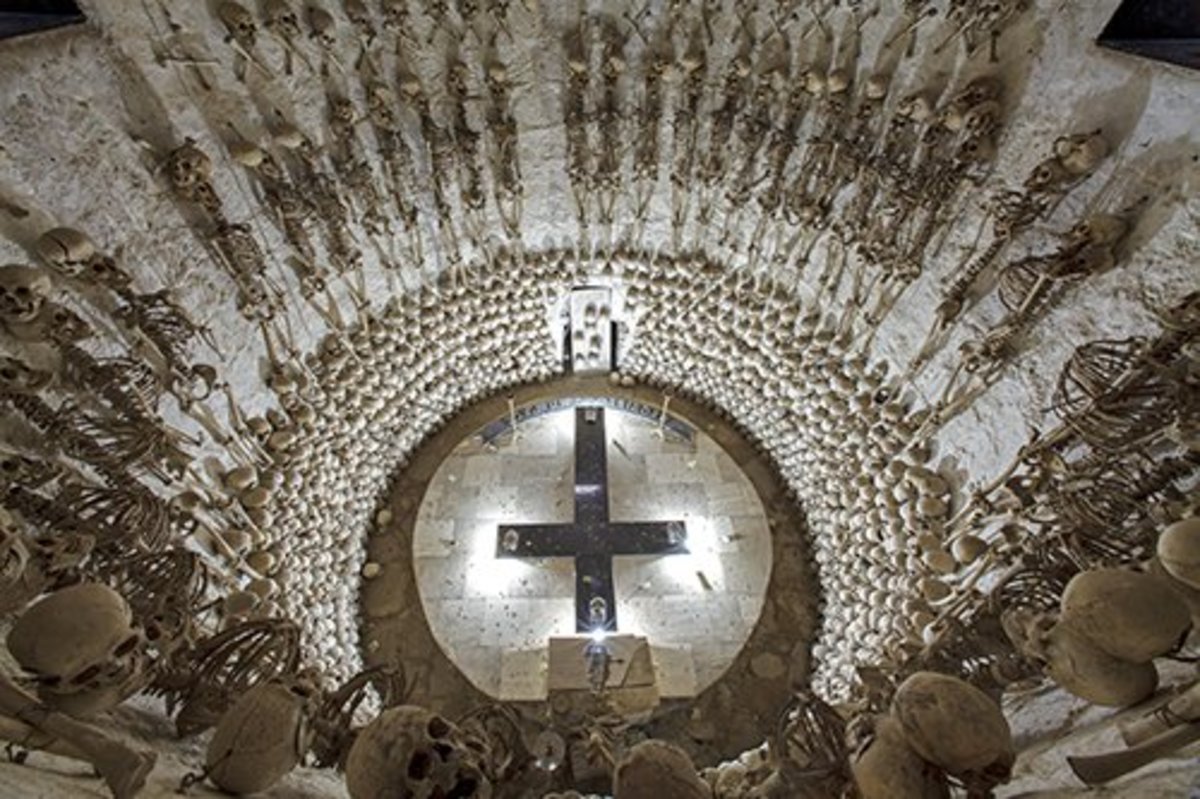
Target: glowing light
{"points": [[702, 558], [599, 635]]}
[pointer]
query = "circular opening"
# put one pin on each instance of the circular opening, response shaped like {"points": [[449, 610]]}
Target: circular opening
{"points": [[593, 524]]}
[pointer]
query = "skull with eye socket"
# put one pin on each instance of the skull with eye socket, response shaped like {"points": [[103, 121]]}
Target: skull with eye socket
{"points": [[23, 292], [239, 22], [82, 648], [65, 250], [17, 376], [14, 557], [322, 27], [188, 166], [55, 324], [281, 18], [262, 737], [411, 753], [16, 469], [103, 270]]}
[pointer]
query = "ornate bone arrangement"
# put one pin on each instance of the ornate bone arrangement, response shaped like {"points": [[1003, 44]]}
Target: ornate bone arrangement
{"points": [[809, 223]]}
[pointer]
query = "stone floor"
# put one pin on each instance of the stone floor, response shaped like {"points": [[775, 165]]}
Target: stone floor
{"points": [[732, 715], [493, 616]]}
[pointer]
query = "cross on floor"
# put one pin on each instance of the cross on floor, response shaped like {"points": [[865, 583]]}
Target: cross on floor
{"points": [[592, 540]]}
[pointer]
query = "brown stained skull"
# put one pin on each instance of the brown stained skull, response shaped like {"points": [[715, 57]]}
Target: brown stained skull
{"points": [[409, 752], [239, 21], [23, 292], [658, 769], [82, 648]]}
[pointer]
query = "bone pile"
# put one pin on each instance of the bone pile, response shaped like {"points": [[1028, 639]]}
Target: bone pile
{"points": [[959, 326]]}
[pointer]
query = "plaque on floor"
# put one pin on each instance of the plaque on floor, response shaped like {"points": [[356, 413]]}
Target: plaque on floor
{"points": [[625, 671]]}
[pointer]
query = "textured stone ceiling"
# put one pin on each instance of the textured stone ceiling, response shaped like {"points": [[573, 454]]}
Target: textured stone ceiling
{"points": [[382, 215]]}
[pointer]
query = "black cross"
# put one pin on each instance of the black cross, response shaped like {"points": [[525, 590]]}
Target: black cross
{"points": [[592, 540]]}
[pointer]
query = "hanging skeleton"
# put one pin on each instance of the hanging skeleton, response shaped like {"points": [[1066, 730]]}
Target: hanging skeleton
{"points": [[202, 681]]}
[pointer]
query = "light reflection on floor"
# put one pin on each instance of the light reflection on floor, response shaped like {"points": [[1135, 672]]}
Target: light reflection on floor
{"points": [[493, 616]]}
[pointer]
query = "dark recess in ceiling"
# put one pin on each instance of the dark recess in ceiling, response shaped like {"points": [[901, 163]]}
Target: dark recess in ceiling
{"points": [[1164, 30], [19, 17]]}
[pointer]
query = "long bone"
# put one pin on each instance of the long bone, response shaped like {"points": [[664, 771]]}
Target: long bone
{"points": [[123, 769]]}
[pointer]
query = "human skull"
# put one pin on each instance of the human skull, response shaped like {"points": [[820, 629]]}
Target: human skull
{"points": [[1047, 175], [188, 166], [103, 270], [954, 725], [1075, 663], [1082, 153], [280, 17], [18, 377], [980, 90], [1179, 550], [261, 738], [23, 292], [1133, 616], [239, 21], [887, 767], [918, 107], [65, 250], [322, 26], [1103, 229], [14, 557], [16, 469], [53, 323], [411, 753], [80, 645], [658, 769]]}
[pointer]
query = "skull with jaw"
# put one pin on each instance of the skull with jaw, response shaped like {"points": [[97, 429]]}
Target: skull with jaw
{"points": [[23, 292]]}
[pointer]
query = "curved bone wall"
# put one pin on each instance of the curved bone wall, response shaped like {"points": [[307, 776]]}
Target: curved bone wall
{"points": [[385, 213]]}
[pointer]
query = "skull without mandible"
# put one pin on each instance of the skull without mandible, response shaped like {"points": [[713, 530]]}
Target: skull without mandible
{"points": [[65, 250], [261, 738], [188, 166], [82, 648], [658, 769], [19, 377], [411, 753]]}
